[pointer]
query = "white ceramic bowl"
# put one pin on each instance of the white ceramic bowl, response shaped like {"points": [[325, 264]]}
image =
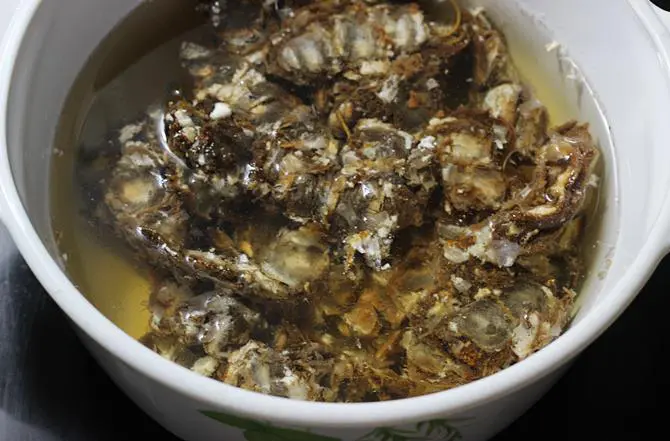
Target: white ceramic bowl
{"points": [[613, 62]]}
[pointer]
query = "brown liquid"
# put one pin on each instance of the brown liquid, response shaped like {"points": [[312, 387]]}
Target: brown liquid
{"points": [[135, 50], [107, 277]]}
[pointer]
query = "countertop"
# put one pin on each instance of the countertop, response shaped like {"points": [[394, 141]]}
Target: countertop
{"points": [[52, 390]]}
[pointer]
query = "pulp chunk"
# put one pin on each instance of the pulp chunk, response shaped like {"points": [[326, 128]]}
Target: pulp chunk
{"points": [[352, 203]]}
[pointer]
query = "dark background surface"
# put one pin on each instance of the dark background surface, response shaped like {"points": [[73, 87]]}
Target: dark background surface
{"points": [[52, 390], [663, 4]]}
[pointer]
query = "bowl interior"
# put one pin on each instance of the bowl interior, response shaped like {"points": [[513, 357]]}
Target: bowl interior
{"points": [[624, 109]]}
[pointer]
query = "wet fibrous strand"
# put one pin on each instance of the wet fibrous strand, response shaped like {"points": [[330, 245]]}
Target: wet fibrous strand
{"points": [[359, 201]]}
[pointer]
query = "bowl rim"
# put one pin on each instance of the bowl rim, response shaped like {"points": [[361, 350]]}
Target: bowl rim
{"points": [[220, 396]]}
